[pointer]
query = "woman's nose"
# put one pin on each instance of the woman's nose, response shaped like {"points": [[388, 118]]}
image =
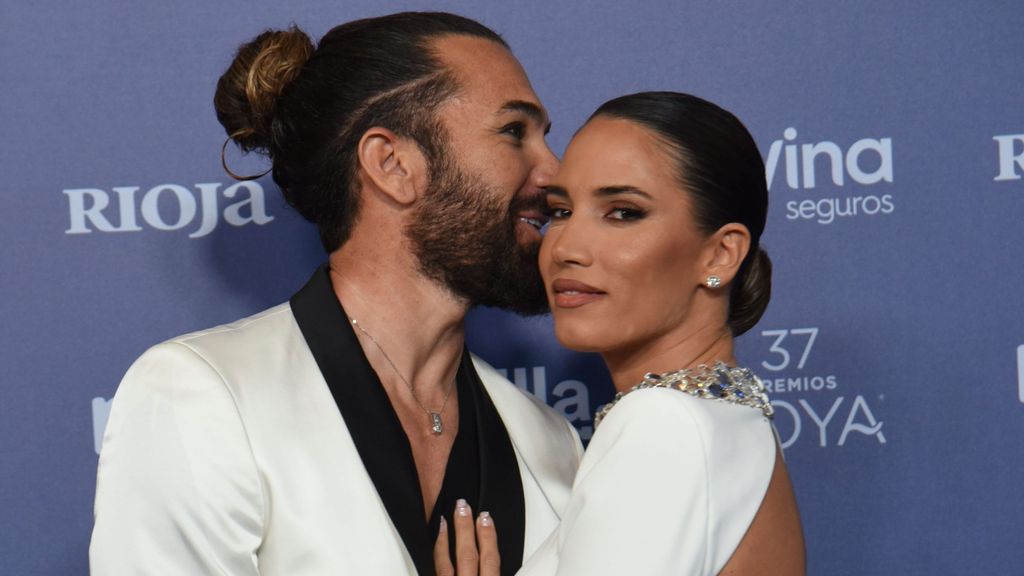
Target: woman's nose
{"points": [[568, 244]]}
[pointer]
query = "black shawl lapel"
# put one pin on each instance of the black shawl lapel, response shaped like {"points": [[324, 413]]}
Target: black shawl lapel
{"points": [[373, 424], [482, 467]]}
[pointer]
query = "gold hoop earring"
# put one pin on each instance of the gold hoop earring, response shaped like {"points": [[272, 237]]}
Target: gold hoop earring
{"points": [[224, 163]]}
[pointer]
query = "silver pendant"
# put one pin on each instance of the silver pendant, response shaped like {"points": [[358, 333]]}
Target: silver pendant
{"points": [[435, 420]]}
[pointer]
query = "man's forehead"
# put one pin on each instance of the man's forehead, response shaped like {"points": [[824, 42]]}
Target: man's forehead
{"points": [[488, 71]]}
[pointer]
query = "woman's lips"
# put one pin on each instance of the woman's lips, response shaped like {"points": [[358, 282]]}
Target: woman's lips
{"points": [[573, 294]]}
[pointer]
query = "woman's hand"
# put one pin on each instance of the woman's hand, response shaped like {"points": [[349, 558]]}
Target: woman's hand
{"points": [[476, 546]]}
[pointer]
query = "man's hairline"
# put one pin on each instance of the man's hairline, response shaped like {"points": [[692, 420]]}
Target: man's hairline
{"points": [[459, 81]]}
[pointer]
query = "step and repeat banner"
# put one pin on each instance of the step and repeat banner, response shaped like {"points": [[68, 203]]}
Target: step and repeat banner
{"points": [[893, 138]]}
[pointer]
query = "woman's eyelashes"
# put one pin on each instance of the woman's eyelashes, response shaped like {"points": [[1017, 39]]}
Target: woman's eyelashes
{"points": [[616, 213], [556, 212], [626, 213]]}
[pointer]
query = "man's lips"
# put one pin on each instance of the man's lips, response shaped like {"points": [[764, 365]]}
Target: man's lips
{"points": [[534, 218], [573, 293]]}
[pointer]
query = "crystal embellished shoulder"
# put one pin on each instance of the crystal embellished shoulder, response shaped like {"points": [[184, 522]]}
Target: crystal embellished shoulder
{"points": [[719, 382]]}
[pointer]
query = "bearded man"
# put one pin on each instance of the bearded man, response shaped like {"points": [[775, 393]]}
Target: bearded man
{"points": [[329, 434]]}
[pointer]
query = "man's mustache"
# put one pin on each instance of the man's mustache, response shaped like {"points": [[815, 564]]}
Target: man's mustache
{"points": [[527, 202]]}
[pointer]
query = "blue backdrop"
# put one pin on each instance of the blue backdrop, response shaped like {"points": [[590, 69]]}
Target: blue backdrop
{"points": [[894, 139]]}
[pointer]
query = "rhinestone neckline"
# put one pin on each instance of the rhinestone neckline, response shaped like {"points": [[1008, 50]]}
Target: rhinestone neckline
{"points": [[719, 382]]}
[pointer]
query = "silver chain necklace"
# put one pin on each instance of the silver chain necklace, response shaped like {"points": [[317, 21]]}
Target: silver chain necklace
{"points": [[435, 417]]}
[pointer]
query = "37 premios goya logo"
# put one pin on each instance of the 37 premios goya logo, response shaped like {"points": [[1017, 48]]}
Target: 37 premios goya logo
{"points": [[812, 407]]}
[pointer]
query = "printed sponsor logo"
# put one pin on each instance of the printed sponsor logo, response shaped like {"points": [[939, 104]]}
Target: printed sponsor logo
{"points": [[808, 402], [809, 407], [822, 170], [168, 207], [1020, 373], [1011, 157], [570, 397], [100, 414]]}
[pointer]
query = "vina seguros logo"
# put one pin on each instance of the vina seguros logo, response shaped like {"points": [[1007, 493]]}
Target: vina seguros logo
{"points": [[803, 167], [168, 207], [570, 397]]}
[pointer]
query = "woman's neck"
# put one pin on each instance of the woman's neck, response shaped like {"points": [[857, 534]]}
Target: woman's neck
{"points": [[672, 352]]}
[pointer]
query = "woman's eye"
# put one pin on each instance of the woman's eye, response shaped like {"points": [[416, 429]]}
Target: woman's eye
{"points": [[555, 213], [516, 129], [626, 214]]}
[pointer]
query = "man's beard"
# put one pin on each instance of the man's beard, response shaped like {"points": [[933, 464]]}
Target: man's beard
{"points": [[465, 239]]}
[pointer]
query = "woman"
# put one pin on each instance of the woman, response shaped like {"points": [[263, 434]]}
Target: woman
{"points": [[652, 259]]}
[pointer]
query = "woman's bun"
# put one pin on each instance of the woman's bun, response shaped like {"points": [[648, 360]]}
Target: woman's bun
{"points": [[750, 295], [247, 92]]}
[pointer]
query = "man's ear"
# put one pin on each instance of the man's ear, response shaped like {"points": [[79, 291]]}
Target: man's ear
{"points": [[724, 252], [394, 165]]}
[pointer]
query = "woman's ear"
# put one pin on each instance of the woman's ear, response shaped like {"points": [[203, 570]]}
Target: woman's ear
{"points": [[724, 252], [394, 165]]}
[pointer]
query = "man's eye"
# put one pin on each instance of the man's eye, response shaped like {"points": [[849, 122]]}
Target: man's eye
{"points": [[516, 129]]}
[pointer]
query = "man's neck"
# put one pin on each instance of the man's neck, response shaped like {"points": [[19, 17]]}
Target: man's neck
{"points": [[414, 323]]}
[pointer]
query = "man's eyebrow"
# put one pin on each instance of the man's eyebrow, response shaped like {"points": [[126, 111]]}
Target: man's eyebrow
{"points": [[528, 108]]}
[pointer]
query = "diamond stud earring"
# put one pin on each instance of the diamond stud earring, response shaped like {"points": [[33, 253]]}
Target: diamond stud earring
{"points": [[713, 281]]}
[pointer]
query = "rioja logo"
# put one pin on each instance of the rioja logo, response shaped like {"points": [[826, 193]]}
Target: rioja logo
{"points": [[165, 207], [1011, 157]]}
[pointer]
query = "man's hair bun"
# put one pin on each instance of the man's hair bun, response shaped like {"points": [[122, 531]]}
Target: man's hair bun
{"points": [[248, 91]]}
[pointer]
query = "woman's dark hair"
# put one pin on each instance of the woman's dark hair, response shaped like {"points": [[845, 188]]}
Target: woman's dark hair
{"points": [[307, 107], [721, 169]]}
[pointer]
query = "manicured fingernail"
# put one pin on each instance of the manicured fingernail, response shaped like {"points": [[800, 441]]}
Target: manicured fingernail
{"points": [[461, 507], [485, 519], [444, 526]]}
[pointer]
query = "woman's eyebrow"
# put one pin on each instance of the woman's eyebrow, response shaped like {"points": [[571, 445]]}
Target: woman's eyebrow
{"points": [[616, 190]]}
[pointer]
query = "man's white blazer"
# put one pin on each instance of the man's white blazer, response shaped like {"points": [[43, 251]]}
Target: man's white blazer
{"points": [[226, 454]]}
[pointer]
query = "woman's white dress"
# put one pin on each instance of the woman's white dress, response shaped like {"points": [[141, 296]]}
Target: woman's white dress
{"points": [[669, 485]]}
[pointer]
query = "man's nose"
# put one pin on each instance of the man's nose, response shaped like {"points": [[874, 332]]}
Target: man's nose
{"points": [[545, 167]]}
